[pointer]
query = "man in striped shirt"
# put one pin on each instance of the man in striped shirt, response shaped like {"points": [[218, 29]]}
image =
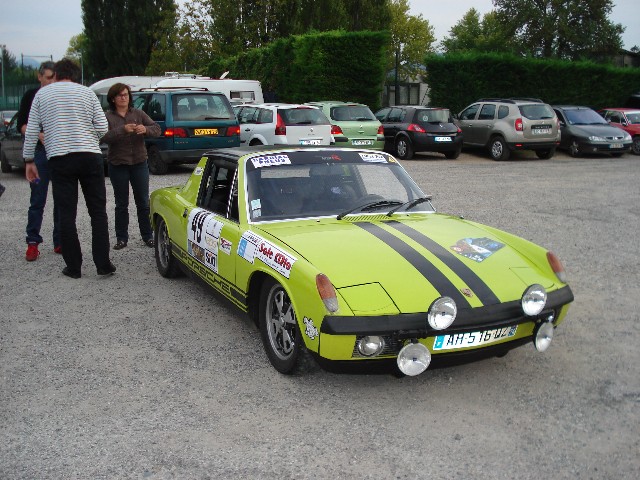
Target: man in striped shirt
{"points": [[73, 123]]}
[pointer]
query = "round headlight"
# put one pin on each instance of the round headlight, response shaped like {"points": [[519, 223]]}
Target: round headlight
{"points": [[534, 300], [370, 345], [442, 313], [543, 337], [413, 359]]}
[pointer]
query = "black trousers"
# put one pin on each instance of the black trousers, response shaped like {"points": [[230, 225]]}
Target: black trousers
{"points": [[87, 170]]}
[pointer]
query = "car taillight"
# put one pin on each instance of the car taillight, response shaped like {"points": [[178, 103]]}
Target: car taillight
{"points": [[235, 130], [336, 130], [175, 132], [519, 126], [380, 130], [327, 292], [459, 130], [281, 128], [414, 127]]}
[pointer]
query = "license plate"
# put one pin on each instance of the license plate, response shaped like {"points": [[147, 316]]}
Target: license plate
{"points": [[615, 145], [443, 139], [472, 339], [361, 142], [541, 131], [205, 131], [315, 141]]}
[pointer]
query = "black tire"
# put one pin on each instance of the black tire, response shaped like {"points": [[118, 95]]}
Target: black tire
{"points": [[255, 143], [546, 154], [4, 163], [498, 149], [156, 165], [165, 261], [279, 330], [404, 149], [574, 149], [635, 147], [453, 155]]}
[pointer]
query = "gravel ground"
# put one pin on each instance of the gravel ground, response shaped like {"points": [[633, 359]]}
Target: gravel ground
{"points": [[137, 376]]}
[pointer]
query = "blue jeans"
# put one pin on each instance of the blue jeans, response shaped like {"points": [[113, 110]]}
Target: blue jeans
{"points": [[39, 200], [87, 170], [138, 176]]}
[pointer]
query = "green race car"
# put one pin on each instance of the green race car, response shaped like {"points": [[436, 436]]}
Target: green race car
{"points": [[338, 255]]}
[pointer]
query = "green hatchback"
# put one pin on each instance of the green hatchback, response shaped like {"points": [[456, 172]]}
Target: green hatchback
{"points": [[352, 124]]}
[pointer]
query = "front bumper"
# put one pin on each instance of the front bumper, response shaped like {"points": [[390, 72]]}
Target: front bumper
{"points": [[339, 335], [601, 147]]}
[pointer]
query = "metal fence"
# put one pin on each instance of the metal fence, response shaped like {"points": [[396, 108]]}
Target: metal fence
{"points": [[12, 94]]}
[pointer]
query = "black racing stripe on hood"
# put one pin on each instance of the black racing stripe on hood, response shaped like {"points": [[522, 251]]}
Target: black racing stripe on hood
{"points": [[428, 270], [475, 283]]}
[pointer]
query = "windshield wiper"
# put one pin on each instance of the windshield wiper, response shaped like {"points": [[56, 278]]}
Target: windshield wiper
{"points": [[369, 206], [410, 204]]}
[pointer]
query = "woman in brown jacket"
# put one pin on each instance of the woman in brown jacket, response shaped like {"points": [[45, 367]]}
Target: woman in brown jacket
{"points": [[127, 158]]}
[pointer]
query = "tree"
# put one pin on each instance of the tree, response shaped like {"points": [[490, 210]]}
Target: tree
{"points": [[470, 33], [9, 61], [121, 34], [412, 38], [570, 29]]}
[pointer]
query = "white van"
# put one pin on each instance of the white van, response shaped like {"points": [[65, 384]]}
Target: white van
{"points": [[237, 91]]}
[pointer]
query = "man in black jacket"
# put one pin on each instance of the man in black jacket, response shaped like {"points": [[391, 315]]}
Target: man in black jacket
{"points": [[40, 187]]}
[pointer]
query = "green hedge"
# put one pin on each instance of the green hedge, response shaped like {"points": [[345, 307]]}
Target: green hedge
{"points": [[337, 65], [456, 80]]}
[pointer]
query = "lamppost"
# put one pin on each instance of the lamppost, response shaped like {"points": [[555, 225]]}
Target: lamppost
{"points": [[4, 98]]}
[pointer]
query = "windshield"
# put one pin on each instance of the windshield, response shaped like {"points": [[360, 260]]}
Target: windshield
{"points": [[634, 118], [537, 111], [201, 106], [352, 113], [440, 115], [302, 116], [584, 116], [319, 183]]}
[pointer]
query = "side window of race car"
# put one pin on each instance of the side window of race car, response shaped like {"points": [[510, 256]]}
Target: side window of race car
{"points": [[218, 192]]}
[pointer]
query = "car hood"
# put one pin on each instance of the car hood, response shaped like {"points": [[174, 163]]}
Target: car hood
{"points": [[411, 260], [596, 130]]}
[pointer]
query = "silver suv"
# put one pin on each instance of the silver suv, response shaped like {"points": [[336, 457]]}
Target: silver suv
{"points": [[503, 125]]}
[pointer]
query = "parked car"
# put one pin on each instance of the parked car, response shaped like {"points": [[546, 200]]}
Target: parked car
{"points": [[192, 121], [11, 142], [352, 124], [409, 129], [628, 119], [5, 118], [337, 253], [584, 131], [283, 124], [503, 125]]}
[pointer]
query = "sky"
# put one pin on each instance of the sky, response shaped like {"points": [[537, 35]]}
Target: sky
{"points": [[42, 28]]}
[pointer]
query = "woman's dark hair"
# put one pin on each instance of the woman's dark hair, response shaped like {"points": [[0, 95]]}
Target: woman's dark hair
{"points": [[66, 69], [114, 91]]}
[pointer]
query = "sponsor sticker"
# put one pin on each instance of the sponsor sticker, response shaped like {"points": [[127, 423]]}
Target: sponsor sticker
{"points": [[310, 329], [203, 233], [270, 160], [252, 246], [477, 249], [198, 171], [373, 157], [225, 245]]}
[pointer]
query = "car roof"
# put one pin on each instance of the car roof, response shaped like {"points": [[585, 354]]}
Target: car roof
{"points": [[571, 107], [235, 153], [623, 109]]}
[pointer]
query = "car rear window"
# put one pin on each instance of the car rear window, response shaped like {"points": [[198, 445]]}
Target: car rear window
{"points": [[432, 116], [536, 111], [303, 116], [352, 113], [201, 106], [634, 117]]}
